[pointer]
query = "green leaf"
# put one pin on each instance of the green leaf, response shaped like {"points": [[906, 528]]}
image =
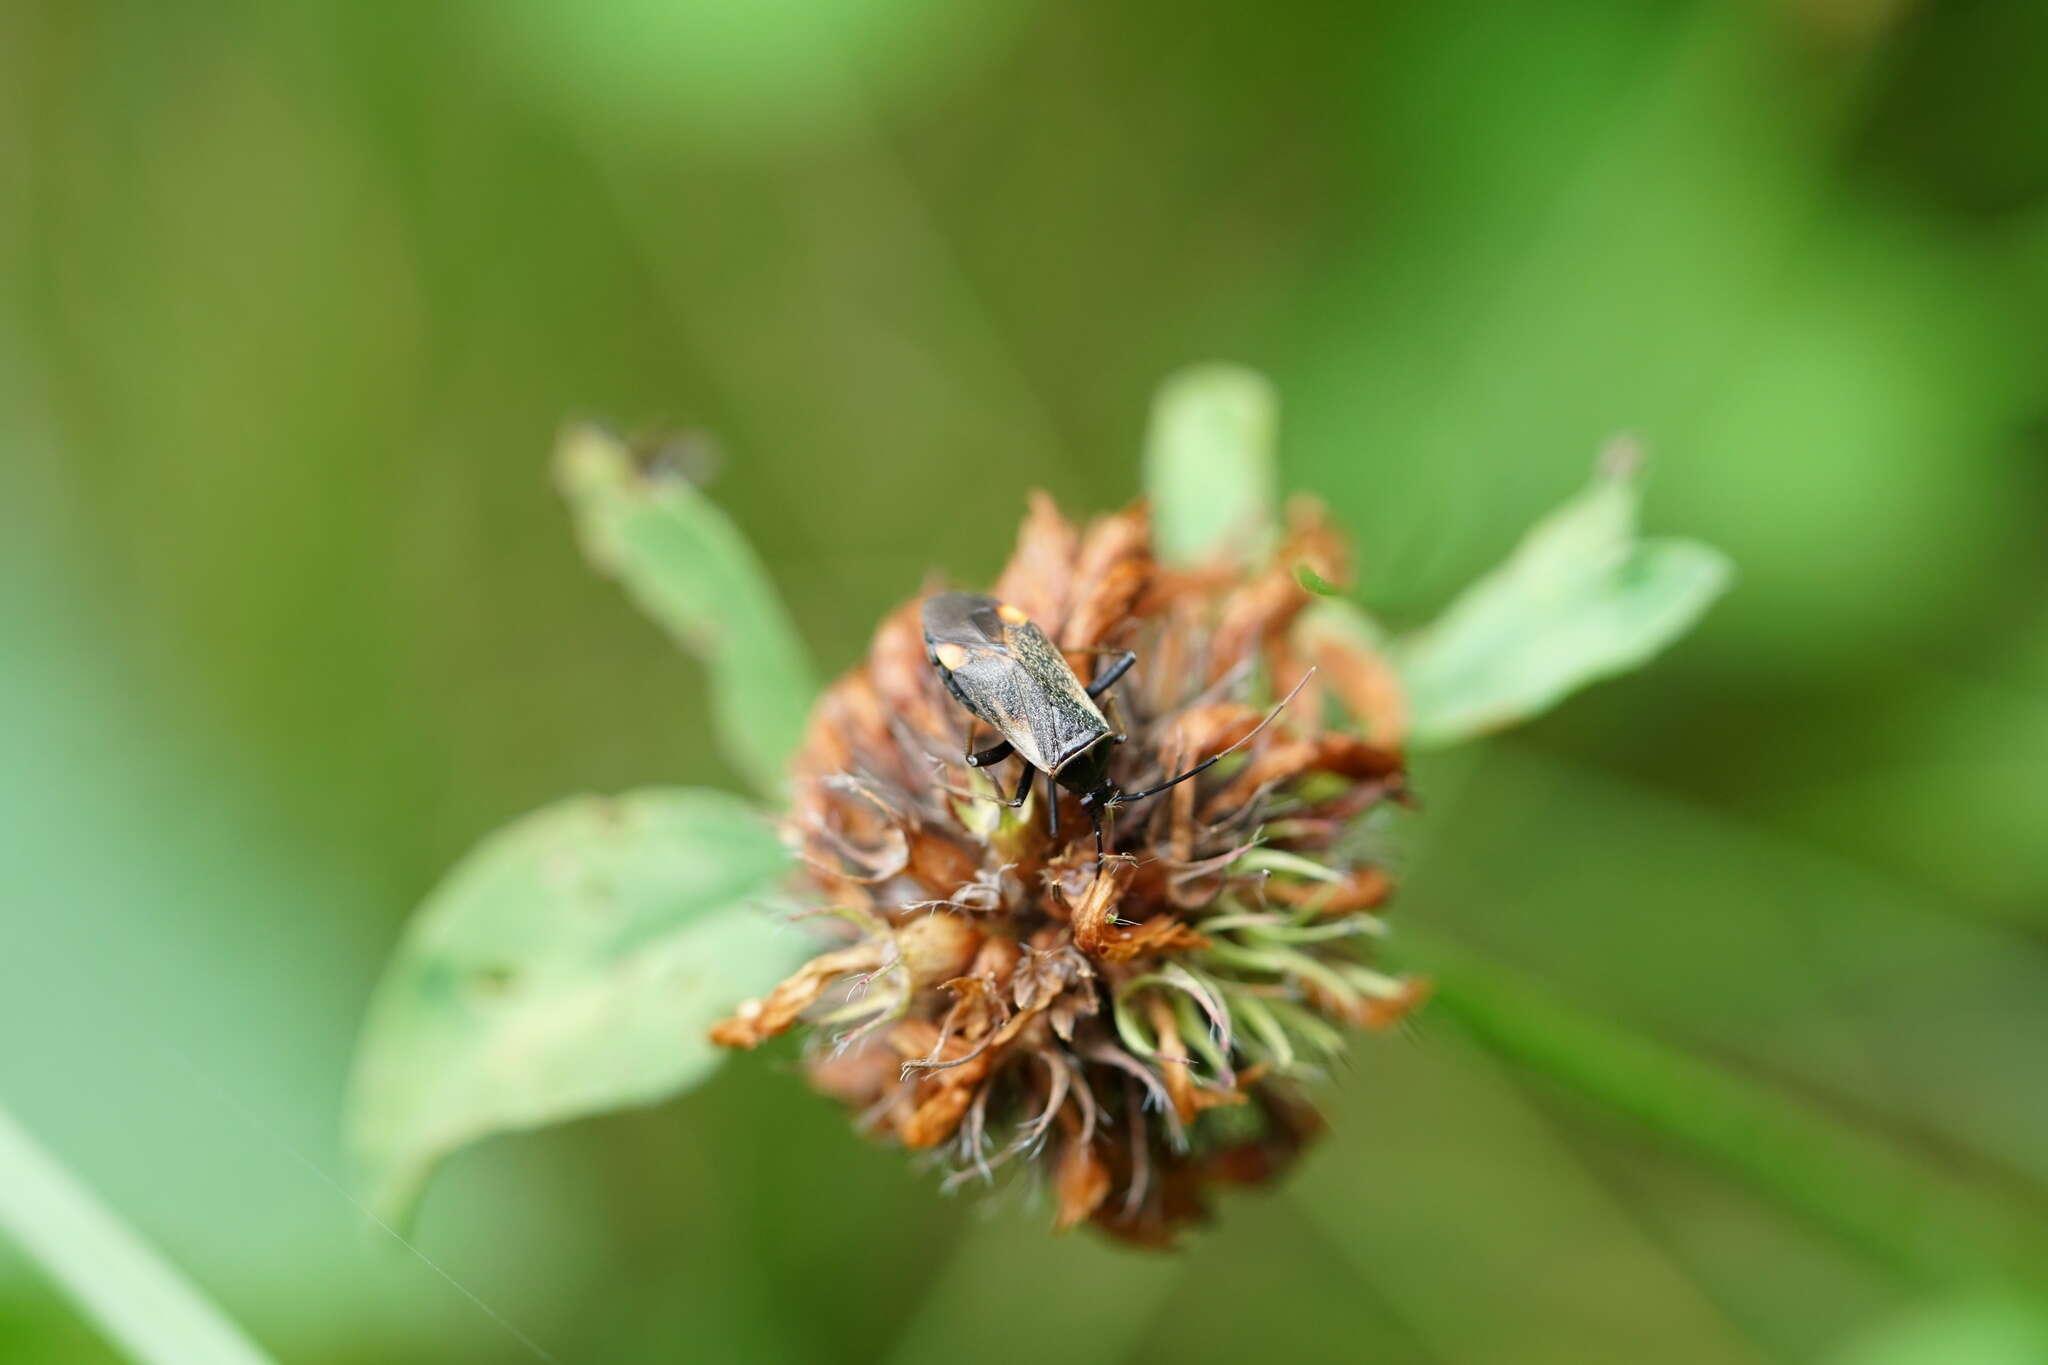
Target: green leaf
{"points": [[1311, 581], [137, 1298], [1982, 1328], [689, 568], [572, 963], [1209, 466], [1941, 1226], [1581, 598]]}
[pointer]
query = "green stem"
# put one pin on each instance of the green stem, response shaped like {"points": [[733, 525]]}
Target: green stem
{"points": [[138, 1299], [1852, 1179]]}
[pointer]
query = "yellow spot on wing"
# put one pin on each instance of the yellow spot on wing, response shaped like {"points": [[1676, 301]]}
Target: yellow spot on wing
{"points": [[1011, 614], [952, 656]]}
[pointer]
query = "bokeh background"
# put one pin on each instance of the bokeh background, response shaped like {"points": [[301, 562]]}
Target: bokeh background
{"points": [[293, 298]]}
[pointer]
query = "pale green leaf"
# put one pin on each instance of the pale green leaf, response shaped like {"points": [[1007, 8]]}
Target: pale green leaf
{"points": [[1582, 598], [137, 1298], [1983, 1328], [1209, 464], [689, 567], [571, 964]]}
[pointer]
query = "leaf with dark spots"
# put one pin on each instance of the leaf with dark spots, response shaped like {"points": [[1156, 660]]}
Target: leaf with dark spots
{"points": [[573, 963]]}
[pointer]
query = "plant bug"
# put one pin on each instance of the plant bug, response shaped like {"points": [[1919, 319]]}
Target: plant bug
{"points": [[1000, 666]]}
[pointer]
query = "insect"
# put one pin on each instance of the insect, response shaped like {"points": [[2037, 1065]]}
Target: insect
{"points": [[1000, 666]]}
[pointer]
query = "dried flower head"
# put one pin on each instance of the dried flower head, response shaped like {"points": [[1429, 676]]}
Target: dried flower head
{"points": [[1135, 1029]]}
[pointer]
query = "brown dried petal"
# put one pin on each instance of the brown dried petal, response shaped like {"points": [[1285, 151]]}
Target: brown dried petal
{"points": [[996, 960], [1383, 1012], [1207, 729], [1104, 605], [1097, 934], [1370, 1011], [945, 1095], [936, 1116], [1313, 543], [849, 732], [1365, 684], [1041, 569], [1080, 1183], [1331, 752], [907, 686], [1250, 614], [756, 1021], [857, 1075], [1364, 888], [1290, 1126], [1189, 1099], [1115, 562], [941, 863], [835, 855], [936, 947]]}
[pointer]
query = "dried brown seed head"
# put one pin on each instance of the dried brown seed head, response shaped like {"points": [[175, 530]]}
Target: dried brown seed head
{"points": [[1136, 1028]]}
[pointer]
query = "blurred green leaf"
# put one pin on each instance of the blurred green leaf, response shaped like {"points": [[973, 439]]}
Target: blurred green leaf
{"points": [[1847, 1177], [1098, 1328], [1510, 1211], [768, 72], [1982, 1329], [1314, 582], [690, 568], [135, 1296], [1582, 598], [1209, 467], [571, 964]]}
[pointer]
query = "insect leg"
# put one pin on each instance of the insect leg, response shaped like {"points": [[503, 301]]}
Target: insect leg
{"points": [[994, 753], [1107, 678], [1052, 806], [1121, 799], [1023, 786]]}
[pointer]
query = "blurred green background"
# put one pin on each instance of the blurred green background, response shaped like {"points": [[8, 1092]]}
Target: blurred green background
{"points": [[293, 298]]}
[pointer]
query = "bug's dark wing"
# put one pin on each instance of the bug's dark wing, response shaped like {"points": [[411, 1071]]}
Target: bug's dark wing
{"points": [[966, 619], [964, 638], [1009, 675], [1065, 717]]}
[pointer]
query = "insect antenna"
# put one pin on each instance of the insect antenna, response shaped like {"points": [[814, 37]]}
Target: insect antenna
{"points": [[1212, 759]]}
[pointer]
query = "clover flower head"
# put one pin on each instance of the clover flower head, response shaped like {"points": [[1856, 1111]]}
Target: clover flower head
{"points": [[1135, 1029]]}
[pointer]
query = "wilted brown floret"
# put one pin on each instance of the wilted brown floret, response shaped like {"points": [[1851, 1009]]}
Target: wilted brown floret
{"points": [[1136, 1030]]}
